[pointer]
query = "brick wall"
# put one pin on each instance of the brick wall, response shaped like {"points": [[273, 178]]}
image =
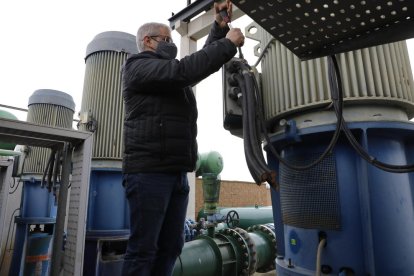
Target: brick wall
{"points": [[235, 194]]}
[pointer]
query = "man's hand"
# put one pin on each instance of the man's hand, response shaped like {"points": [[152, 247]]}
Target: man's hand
{"points": [[236, 36], [222, 5]]}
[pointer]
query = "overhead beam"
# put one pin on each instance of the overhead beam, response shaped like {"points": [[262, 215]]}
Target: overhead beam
{"points": [[201, 25], [30, 134], [191, 11]]}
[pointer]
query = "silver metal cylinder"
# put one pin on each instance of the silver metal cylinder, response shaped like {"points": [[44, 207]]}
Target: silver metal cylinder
{"points": [[102, 109], [378, 78], [50, 108]]}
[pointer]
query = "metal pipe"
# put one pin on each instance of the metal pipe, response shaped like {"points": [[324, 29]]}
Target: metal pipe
{"points": [[4, 152], [230, 252], [206, 257], [61, 211]]}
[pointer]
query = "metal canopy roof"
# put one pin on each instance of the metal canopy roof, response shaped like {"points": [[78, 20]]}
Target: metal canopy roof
{"points": [[316, 28]]}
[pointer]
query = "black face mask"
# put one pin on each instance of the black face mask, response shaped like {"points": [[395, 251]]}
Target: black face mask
{"points": [[166, 50]]}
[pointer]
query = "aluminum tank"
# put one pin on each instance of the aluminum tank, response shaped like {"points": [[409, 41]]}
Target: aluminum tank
{"points": [[102, 109], [51, 108], [376, 81]]}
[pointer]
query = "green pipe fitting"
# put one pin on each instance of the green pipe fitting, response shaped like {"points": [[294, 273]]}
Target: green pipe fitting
{"points": [[248, 216], [207, 256], [211, 192], [211, 162], [230, 252], [265, 240]]}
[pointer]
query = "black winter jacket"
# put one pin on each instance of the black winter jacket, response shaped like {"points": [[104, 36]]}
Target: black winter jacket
{"points": [[160, 108]]}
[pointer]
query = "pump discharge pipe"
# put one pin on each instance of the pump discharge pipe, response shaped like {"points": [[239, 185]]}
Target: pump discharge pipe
{"points": [[231, 251]]}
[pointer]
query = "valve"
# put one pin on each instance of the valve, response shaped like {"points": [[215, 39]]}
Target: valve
{"points": [[232, 219]]}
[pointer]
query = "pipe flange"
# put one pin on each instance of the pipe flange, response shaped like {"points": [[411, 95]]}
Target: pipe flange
{"points": [[248, 249], [252, 249], [271, 237]]}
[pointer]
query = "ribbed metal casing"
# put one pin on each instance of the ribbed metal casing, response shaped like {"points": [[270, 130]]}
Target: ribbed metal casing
{"points": [[379, 76], [51, 108], [102, 96]]}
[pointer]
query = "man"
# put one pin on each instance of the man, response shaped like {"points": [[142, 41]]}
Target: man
{"points": [[160, 138]]}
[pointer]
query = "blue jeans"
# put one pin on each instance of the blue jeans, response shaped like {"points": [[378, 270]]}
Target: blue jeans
{"points": [[158, 204]]}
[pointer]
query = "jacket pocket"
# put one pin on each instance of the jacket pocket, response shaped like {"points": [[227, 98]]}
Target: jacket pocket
{"points": [[178, 137]]}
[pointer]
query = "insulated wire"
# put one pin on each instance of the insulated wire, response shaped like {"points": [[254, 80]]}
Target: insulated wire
{"points": [[51, 167], [252, 166], [351, 138], [335, 85], [48, 164], [56, 170], [19, 181], [327, 151], [253, 150], [318, 256], [16, 186], [252, 117]]}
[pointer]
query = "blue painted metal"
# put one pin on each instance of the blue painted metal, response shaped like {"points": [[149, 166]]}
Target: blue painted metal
{"points": [[277, 211], [38, 254], [38, 207], [376, 207], [23, 242], [37, 201], [107, 206], [107, 223]]}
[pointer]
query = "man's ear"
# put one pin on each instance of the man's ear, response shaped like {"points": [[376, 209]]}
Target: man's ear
{"points": [[145, 40]]}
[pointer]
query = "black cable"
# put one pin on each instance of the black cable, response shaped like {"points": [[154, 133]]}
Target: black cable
{"points": [[12, 184], [48, 164], [16, 186], [56, 170], [251, 101], [253, 151], [252, 112], [327, 151], [20, 179], [363, 153], [253, 138], [254, 171], [51, 167], [249, 111]]}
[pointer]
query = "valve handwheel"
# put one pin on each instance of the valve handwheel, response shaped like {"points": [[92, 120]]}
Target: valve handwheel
{"points": [[232, 219]]}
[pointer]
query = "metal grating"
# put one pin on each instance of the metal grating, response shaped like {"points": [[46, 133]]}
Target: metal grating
{"points": [[311, 28], [310, 199]]}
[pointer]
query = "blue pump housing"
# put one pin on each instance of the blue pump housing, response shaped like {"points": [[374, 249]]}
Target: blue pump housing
{"points": [[107, 207], [365, 213]]}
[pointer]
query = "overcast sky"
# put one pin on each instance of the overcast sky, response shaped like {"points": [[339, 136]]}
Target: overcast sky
{"points": [[43, 46]]}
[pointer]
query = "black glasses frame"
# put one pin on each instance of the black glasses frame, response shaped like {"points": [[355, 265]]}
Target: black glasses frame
{"points": [[164, 38]]}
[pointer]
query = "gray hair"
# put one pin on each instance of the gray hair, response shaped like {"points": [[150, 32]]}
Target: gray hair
{"points": [[148, 29]]}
